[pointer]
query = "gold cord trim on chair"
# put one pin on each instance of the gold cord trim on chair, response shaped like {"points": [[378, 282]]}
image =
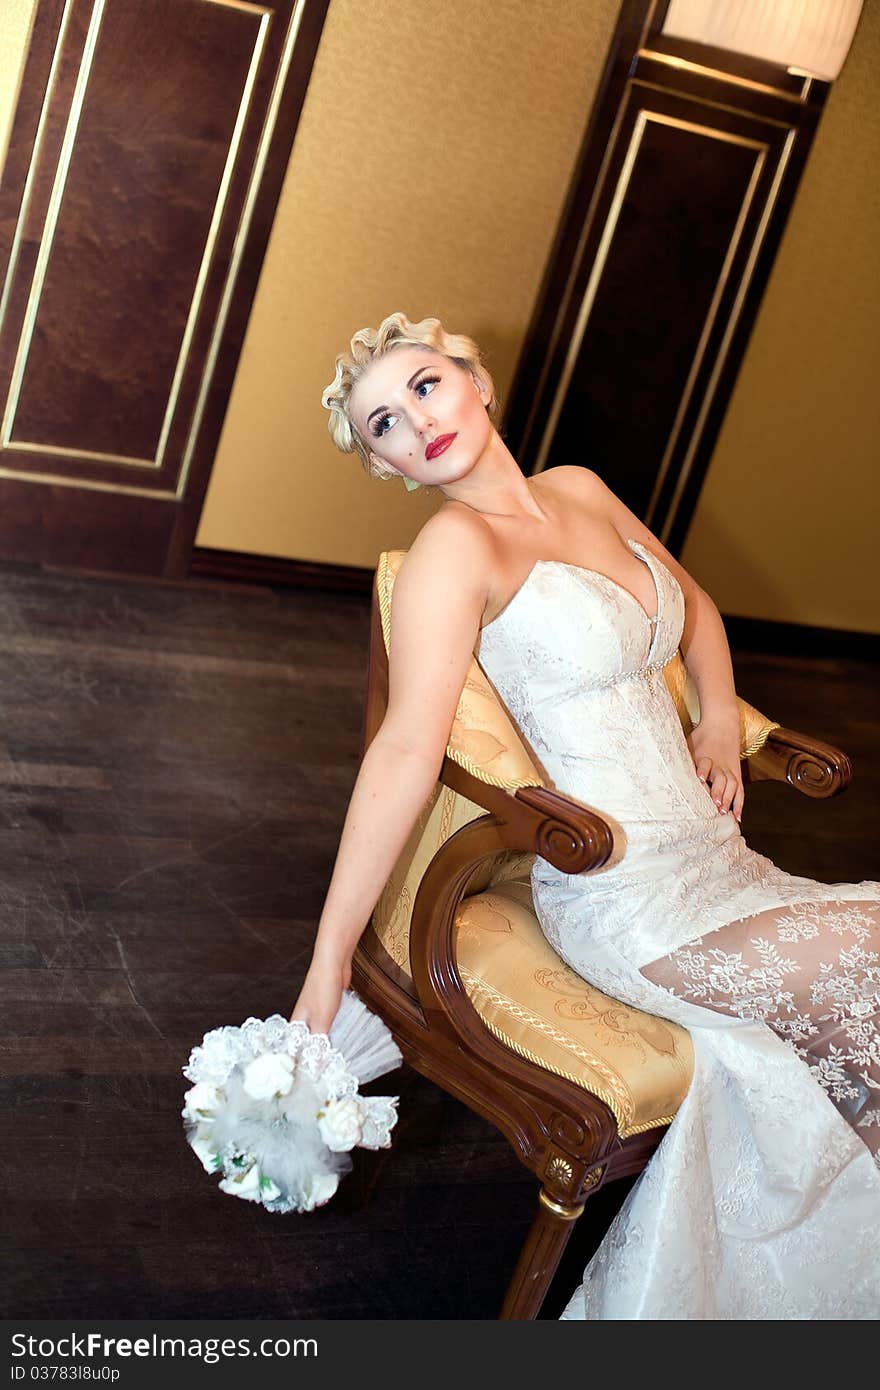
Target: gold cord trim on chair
{"points": [[759, 740], [625, 1131], [597, 1091], [646, 1125], [618, 1099]]}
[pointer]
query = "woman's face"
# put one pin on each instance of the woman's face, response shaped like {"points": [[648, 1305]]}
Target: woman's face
{"points": [[414, 399]]}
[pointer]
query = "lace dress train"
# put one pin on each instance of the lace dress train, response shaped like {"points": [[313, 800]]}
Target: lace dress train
{"points": [[763, 1199]]}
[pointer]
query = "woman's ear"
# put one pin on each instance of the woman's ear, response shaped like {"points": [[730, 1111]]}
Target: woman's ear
{"points": [[482, 391]]}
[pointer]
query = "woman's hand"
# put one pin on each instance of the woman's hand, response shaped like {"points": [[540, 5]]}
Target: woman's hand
{"points": [[321, 994], [714, 746]]}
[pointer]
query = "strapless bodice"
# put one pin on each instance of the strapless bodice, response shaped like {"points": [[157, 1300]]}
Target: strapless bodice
{"points": [[578, 662], [575, 625]]}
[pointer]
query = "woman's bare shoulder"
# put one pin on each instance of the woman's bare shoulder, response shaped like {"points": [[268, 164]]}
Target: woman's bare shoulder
{"points": [[456, 532], [453, 553], [572, 480]]}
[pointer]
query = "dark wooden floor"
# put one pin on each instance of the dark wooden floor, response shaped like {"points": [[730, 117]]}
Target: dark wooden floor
{"points": [[175, 766]]}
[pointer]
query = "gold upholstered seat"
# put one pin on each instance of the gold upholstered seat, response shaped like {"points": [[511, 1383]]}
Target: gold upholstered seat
{"points": [[455, 961]]}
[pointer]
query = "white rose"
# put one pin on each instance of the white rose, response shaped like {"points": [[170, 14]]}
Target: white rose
{"points": [[320, 1189], [206, 1154], [269, 1075], [202, 1099], [341, 1124], [246, 1184], [268, 1189]]}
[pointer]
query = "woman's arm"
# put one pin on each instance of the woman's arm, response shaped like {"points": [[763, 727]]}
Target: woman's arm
{"points": [[714, 744], [392, 786], [439, 598]]}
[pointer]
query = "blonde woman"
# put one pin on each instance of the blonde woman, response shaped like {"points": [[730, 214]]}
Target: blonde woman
{"points": [[763, 1200]]}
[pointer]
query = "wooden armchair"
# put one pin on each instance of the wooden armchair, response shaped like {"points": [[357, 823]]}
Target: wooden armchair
{"points": [[455, 962]]}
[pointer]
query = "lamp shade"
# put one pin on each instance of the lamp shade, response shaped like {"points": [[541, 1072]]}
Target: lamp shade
{"points": [[811, 35]]}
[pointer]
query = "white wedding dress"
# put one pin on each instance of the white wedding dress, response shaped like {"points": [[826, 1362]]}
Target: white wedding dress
{"points": [[763, 1199]]}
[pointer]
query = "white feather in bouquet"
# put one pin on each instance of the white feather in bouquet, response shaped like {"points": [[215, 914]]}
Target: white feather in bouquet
{"points": [[276, 1109]]}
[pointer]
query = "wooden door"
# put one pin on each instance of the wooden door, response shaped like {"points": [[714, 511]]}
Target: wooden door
{"points": [[147, 153], [683, 186]]}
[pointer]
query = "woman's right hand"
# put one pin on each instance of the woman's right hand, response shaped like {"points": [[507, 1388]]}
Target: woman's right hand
{"points": [[321, 994]]}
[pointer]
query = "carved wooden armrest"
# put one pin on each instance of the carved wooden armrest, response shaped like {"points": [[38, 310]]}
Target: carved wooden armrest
{"points": [[535, 820], [538, 820], [817, 769]]}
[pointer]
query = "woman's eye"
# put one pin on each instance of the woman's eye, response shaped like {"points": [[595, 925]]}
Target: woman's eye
{"points": [[384, 423]]}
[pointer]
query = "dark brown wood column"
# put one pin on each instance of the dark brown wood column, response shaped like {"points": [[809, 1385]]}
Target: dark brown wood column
{"points": [[147, 153]]}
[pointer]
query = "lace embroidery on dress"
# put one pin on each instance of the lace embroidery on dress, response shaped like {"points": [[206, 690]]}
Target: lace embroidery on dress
{"points": [[812, 974]]}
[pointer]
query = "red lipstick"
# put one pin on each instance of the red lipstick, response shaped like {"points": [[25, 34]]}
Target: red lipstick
{"points": [[439, 445]]}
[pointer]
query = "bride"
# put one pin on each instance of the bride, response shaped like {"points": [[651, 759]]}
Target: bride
{"points": [[763, 1198]]}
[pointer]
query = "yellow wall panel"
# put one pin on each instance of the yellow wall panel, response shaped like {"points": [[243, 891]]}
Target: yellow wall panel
{"points": [[16, 19], [433, 155]]}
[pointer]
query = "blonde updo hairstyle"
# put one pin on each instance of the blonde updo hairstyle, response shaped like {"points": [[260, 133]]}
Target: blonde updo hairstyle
{"points": [[367, 346]]}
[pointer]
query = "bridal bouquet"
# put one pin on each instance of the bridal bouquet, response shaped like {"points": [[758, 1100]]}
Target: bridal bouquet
{"points": [[276, 1109]]}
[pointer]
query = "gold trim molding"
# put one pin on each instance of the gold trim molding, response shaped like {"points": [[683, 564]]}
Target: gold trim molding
{"points": [[733, 319], [566, 1213], [643, 119], [719, 75], [55, 197], [264, 15], [708, 325], [269, 123]]}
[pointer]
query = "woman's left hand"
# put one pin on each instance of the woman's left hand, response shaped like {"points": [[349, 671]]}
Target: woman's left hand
{"points": [[714, 746]]}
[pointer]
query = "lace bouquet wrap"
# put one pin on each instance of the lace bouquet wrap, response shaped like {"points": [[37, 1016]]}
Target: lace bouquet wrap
{"points": [[276, 1108]]}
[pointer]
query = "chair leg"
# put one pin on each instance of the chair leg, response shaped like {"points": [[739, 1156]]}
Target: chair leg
{"points": [[539, 1258]]}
